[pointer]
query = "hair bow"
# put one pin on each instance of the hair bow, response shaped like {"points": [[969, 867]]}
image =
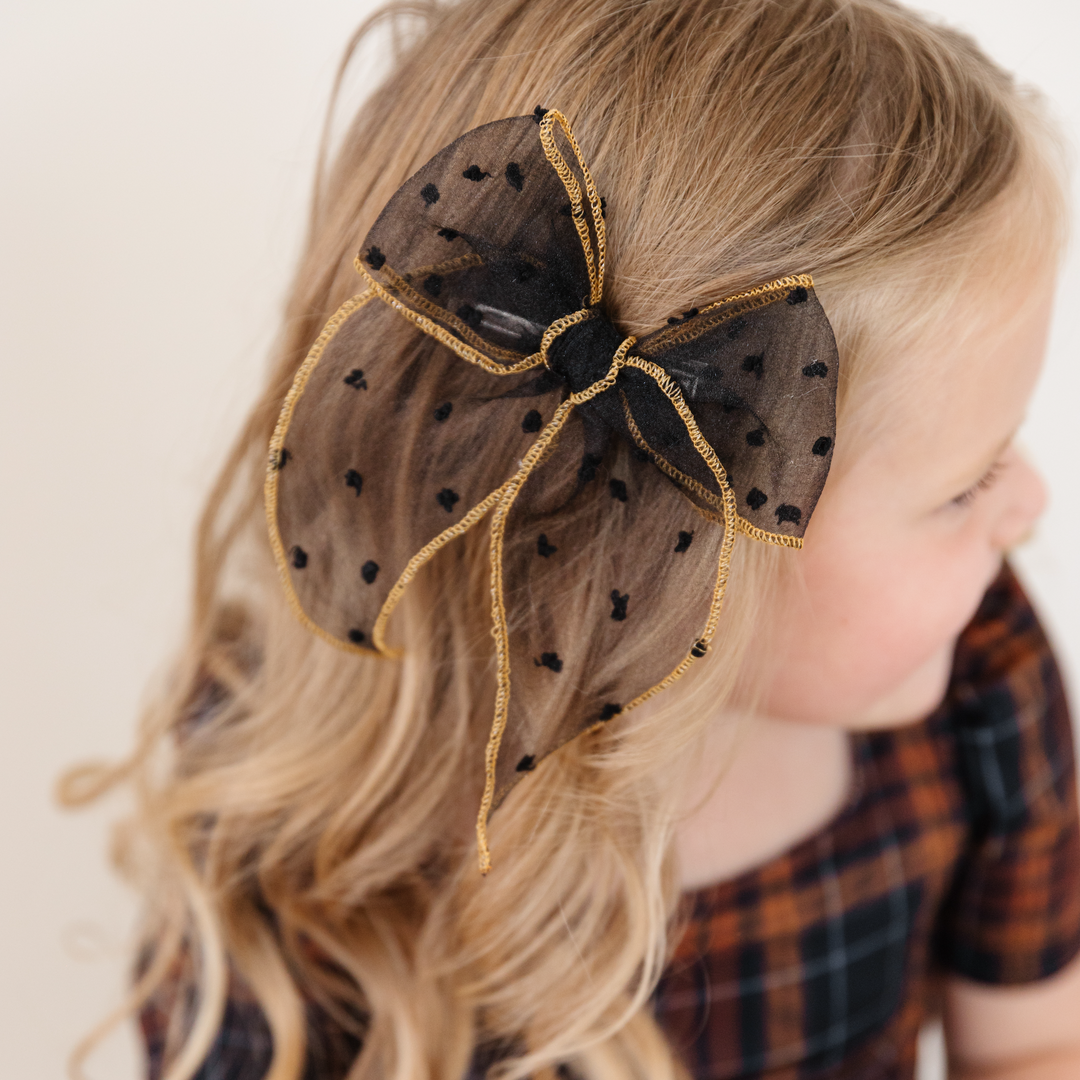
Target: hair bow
{"points": [[478, 374]]}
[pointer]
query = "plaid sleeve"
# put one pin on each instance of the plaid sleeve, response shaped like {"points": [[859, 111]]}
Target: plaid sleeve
{"points": [[1013, 913]]}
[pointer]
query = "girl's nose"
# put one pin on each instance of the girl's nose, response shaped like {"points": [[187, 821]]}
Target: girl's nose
{"points": [[1025, 500]]}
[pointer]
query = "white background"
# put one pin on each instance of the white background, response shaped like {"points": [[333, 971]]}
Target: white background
{"points": [[154, 167]]}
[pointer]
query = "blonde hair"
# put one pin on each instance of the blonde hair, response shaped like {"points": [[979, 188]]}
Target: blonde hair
{"points": [[304, 816]]}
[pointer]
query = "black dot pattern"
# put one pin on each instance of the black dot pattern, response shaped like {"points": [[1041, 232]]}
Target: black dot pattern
{"points": [[589, 464], [754, 365], [527, 763], [448, 499], [282, 459], [600, 539], [514, 176]]}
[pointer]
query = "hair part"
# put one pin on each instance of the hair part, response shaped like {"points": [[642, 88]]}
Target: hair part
{"points": [[305, 816]]}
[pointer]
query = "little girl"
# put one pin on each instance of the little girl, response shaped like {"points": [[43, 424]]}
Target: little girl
{"points": [[792, 282]]}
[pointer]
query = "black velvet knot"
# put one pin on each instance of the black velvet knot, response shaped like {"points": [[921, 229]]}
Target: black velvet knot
{"points": [[582, 353]]}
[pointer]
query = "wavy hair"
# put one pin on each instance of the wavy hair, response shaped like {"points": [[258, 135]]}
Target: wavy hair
{"points": [[304, 817]]}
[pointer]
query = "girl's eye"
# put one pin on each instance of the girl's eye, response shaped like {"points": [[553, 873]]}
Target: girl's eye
{"points": [[965, 498]]}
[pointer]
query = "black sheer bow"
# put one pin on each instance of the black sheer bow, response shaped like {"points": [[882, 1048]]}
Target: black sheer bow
{"points": [[479, 374]]}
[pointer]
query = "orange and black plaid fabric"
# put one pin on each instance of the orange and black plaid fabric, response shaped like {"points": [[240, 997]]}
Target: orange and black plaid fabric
{"points": [[958, 851]]}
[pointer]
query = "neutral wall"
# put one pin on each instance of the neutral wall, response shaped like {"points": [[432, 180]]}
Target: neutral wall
{"points": [[154, 162]]}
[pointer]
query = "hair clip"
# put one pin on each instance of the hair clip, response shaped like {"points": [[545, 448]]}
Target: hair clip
{"points": [[477, 375]]}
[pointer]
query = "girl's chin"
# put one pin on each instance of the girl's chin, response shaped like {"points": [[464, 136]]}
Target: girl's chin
{"points": [[911, 700]]}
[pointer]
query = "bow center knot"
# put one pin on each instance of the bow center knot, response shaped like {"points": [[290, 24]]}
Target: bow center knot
{"points": [[582, 353]]}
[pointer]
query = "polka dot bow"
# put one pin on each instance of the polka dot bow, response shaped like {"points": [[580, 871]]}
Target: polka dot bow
{"points": [[478, 376]]}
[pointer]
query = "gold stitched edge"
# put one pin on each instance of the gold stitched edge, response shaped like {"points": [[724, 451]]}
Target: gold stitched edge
{"points": [[766, 537], [595, 262], [752, 299], [699, 489], [273, 468]]}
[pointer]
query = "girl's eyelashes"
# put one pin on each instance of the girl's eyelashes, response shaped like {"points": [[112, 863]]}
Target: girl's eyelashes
{"points": [[965, 498]]}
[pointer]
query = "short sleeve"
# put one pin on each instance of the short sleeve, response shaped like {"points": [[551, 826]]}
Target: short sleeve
{"points": [[1013, 912]]}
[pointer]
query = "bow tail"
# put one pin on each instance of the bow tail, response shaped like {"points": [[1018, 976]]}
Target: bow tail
{"points": [[507, 495], [537, 454], [728, 515]]}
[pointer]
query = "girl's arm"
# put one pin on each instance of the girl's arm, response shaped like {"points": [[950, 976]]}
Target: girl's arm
{"points": [[1027, 1032]]}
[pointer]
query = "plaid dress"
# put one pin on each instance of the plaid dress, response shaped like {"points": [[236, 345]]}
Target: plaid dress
{"points": [[958, 852]]}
